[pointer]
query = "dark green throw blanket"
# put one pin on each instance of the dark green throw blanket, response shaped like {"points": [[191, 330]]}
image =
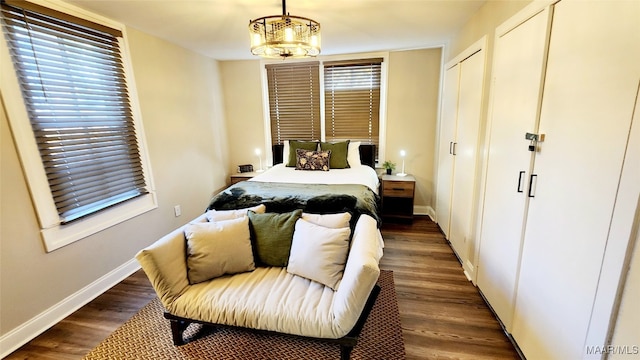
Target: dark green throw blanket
{"points": [[311, 198]]}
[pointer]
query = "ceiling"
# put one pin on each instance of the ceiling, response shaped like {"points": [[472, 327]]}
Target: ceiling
{"points": [[219, 28]]}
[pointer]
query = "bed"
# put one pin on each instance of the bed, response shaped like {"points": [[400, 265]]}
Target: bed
{"points": [[284, 188]]}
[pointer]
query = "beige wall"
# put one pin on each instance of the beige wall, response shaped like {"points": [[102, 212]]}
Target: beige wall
{"points": [[412, 109], [412, 114], [242, 88], [181, 104], [484, 22]]}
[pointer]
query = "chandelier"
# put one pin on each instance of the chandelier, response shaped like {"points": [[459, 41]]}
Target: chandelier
{"points": [[284, 36]]}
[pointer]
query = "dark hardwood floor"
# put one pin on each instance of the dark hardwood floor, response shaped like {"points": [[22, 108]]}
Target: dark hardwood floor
{"points": [[442, 314]]}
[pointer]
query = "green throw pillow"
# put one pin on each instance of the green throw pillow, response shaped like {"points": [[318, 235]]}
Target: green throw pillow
{"points": [[338, 154], [272, 234], [294, 145]]}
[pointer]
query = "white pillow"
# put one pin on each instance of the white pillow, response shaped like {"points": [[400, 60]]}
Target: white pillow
{"points": [[218, 248], [285, 152], [353, 153], [221, 215], [319, 253], [334, 221]]}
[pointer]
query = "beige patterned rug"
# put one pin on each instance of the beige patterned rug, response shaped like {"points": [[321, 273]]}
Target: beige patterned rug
{"points": [[147, 336]]}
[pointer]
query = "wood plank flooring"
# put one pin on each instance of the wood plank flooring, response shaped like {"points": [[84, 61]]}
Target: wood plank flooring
{"points": [[442, 314]]}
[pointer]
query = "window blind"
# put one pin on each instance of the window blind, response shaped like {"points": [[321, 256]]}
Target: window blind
{"points": [[294, 101], [73, 83], [352, 100]]}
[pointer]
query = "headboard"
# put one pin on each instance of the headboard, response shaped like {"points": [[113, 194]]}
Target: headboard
{"points": [[367, 154]]}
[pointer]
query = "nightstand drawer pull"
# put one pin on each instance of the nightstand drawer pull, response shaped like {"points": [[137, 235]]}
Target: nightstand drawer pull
{"points": [[397, 189]]}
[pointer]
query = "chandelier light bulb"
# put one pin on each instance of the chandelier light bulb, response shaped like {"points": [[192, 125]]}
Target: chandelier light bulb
{"points": [[288, 34]]}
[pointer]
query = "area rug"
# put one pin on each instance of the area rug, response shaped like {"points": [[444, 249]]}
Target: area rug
{"points": [[147, 336]]}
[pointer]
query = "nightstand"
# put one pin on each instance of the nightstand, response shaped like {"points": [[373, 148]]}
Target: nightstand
{"points": [[236, 178], [397, 194]]}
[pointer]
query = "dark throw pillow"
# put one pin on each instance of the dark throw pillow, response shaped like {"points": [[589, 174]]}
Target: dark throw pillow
{"points": [[313, 160], [339, 152], [296, 144], [271, 236]]}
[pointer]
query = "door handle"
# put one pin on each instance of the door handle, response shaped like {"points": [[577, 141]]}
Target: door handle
{"points": [[520, 181], [531, 184], [454, 148]]}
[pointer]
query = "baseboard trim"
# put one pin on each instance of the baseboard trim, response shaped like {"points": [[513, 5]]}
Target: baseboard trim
{"points": [[464, 271], [424, 210], [469, 271], [24, 333], [504, 329]]}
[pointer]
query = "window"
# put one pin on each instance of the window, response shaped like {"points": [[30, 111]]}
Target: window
{"points": [[351, 100], [72, 78], [294, 101]]}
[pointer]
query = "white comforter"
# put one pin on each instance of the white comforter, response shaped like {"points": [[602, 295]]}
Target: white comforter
{"points": [[362, 174]]}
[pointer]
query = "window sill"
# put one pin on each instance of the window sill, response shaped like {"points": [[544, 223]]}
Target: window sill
{"points": [[62, 235]]}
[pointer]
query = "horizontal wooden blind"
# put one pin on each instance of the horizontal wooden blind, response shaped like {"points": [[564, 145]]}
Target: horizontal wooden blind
{"points": [[73, 83], [294, 101], [352, 100]]}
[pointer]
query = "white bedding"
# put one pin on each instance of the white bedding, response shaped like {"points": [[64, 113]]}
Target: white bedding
{"points": [[361, 174]]}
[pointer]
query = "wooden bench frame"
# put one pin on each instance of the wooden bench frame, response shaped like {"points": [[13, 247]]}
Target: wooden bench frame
{"points": [[347, 342]]}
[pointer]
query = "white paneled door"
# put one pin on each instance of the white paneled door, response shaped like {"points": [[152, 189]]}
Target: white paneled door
{"points": [[465, 152], [447, 137], [518, 70], [592, 78]]}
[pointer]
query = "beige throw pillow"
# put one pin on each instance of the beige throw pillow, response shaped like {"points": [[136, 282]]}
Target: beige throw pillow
{"points": [[218, 248], [334, 221], [319, 253], [220, 215]]}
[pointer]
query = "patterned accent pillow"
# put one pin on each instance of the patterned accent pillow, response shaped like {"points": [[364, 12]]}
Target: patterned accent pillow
{"points": [[312, 160]]}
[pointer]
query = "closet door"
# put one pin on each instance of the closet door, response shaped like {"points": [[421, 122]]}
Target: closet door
{"points": [[445, 152], [592, 78], [465, 151], [517, 81]]}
